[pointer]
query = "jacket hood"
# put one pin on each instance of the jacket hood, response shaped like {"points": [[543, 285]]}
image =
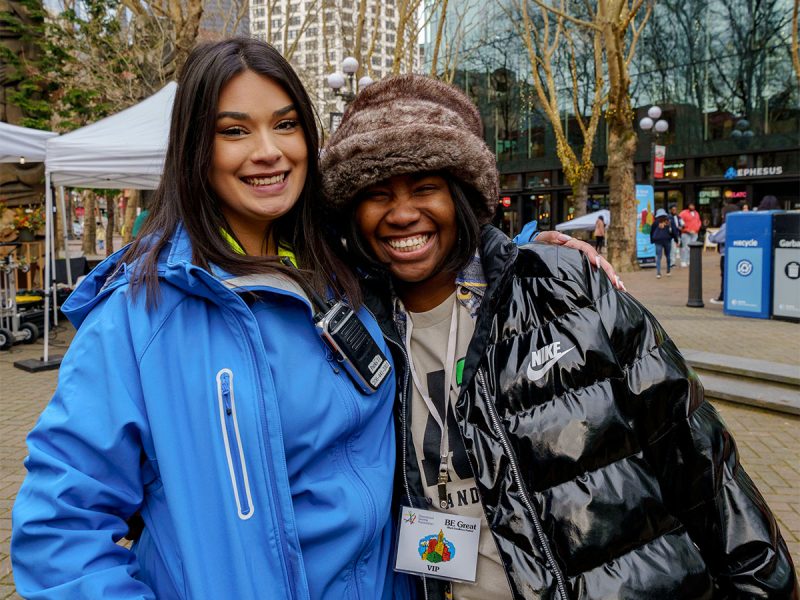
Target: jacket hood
{"points": [[174, 266]]}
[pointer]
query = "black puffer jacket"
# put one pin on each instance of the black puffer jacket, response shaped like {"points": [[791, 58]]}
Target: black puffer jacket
{"points": [[609, 476]]}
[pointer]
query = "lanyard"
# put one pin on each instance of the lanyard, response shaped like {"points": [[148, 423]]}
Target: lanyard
{"points": [[441, 420]]}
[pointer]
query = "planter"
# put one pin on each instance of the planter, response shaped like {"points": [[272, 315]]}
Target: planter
{"points": [[26, 235]]}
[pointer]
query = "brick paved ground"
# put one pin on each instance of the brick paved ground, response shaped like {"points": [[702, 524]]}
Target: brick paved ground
{"points": [[769, 443]]}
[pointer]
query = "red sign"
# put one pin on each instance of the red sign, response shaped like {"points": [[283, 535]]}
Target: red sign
{"points": [[505, 201], [79, 210], [659, 152]]}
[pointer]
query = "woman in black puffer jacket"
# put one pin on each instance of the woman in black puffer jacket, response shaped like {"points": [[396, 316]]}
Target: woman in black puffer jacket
{"points": [[600, 471]]}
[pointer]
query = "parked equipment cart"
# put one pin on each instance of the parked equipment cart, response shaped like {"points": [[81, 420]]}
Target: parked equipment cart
{"points": [[12, 328]]}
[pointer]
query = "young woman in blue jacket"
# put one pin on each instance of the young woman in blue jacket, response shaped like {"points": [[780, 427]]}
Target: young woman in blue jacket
{"points": [[198, 396]]}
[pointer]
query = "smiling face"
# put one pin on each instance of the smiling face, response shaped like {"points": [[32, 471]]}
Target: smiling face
{"points": [[409, 224], [260, 158]]}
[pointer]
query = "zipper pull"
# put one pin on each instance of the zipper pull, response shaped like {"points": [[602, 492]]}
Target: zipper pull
{"points": [[442, 483], [226, 394]]}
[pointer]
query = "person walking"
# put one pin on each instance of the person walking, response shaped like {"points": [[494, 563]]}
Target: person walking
{"points": [[689, 231], [718, 238], [599, 233], [197, 398], [677, 224], [663, 235], [501, 350]]}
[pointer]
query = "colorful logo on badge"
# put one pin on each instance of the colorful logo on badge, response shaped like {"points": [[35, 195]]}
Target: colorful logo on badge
{"points": [[410, 517], [436, 549]]}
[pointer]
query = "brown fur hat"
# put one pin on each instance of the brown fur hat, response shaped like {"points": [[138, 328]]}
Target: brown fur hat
{"points": [[408, 124]]}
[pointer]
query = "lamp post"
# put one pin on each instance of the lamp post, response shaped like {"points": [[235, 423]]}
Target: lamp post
{"points": [[337, 82], [654, 126]]}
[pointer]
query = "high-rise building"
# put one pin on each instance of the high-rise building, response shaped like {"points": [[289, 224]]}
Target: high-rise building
{"points": [[316, 35], [224, 18]]}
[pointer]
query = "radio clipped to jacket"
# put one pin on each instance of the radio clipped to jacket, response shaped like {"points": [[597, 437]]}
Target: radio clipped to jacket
{"points": [[354, 347]]}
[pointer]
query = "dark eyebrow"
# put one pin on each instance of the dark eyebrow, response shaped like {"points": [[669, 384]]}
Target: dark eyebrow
{"points": [[284, 111], [240, 116]]}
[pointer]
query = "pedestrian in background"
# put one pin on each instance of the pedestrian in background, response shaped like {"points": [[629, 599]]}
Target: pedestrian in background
{"points": [[677, 225], [689, 231], [662, 235], [769, 203], [599, 233], [718, 238], [504, 349]]}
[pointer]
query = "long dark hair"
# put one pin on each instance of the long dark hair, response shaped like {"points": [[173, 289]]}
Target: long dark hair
{"points": [[185, 195], [467, 203]]}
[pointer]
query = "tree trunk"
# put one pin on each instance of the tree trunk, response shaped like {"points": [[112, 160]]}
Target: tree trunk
{"points": [[130, 216], [111, 210], [580, 195], [621, 236], [89, 224]]}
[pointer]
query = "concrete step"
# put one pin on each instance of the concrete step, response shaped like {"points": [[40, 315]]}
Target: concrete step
{"points": [[748, 368], [751, 391]]}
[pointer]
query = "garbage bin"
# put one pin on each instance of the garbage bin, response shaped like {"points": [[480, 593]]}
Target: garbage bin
{"points": [[748, 263], [786, 270]]}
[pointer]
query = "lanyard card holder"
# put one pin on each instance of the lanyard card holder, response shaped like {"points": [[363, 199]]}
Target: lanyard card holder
{"points": [[437, 544], [354, 347]]}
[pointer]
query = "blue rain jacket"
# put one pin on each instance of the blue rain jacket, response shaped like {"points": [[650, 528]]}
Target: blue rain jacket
{"points": [[181, 412]]}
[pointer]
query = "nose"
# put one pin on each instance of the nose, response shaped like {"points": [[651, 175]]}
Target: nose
{"points": [[266, 150], [403, 211]]}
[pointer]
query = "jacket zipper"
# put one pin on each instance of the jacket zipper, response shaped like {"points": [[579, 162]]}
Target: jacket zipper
{"points": [[404, 437], [543, 542], [233, 445]]}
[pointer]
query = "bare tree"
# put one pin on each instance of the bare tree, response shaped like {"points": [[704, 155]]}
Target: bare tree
{"points": [[795, 44], [549, 43], [616, 22]]}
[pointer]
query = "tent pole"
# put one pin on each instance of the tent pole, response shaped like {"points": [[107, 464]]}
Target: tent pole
{"points": [[63, 209], [52, 280], [49, 218], [47, 362]]}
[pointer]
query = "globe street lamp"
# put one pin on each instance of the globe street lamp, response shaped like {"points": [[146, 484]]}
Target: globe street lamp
{"points": [[654, 126], [337, 82]]}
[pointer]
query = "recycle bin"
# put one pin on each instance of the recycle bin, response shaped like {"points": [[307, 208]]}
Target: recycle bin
{"points": [[748, 263], [786, 269]]}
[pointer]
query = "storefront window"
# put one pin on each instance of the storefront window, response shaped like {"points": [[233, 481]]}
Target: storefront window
{"points": [[537, 179], [715, 166], [511, 181], [674, 170]]}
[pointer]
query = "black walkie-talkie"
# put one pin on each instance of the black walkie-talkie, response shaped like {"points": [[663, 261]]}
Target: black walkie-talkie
{"points": [[354, 347], [350, 341]]}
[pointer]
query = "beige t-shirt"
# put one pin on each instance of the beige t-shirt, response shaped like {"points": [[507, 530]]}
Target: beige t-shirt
{"points": [[428, 348]]}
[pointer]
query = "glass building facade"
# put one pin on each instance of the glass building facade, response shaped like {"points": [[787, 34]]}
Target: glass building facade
{"points": [[722, 74]]}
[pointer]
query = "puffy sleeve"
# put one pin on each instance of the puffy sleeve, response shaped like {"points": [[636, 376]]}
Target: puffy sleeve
{"points": [[695, 459], [84, 478]]}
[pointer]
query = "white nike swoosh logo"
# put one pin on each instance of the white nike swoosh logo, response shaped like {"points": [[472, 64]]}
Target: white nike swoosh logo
{"points": [[537, 374]]}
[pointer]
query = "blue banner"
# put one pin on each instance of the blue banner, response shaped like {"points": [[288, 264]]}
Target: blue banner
{"points": [[645, 249]]}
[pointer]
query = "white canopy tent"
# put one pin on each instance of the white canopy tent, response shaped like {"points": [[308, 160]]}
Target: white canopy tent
{"points": [[586, 222], [21, 144], [123, 151]]}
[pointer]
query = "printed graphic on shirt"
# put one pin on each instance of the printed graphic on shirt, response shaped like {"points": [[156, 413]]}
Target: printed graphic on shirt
{"points": [[433, 435]]}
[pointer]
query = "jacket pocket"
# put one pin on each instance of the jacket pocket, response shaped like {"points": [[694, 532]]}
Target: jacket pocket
{"points": [[233, 444]]}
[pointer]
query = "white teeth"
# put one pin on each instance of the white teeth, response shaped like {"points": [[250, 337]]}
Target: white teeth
{"points": [[259, 181], [409, 244]]}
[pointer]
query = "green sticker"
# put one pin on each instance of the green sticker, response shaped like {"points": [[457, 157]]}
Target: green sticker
{"points": [[459, 371]]}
